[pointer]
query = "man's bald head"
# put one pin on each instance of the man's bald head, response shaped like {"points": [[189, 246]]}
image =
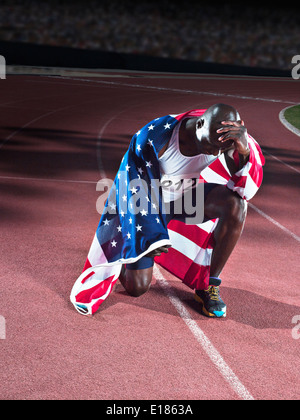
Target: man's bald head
{"points": [[221, 112], [208, 124]]}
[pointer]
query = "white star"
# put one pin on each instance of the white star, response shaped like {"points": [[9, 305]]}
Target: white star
{"points": [[130, 221], [114, 243], [138, 228], [127, 168], [106, 222], [154, 206], [138, 148], [157, 220], [133, 190], [147, 198], [119, 228], [138, 133], [124, 197], [112, 206], [149, 164], [167, 126], [128, 235], [143, 212], [122, 213], [151, 127], [140, 170], [150, 142]]}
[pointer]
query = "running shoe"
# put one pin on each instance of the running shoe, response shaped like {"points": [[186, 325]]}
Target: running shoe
{"points": [[210, 299]]}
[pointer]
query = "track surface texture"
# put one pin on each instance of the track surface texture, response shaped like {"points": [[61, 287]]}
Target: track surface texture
{"points": [[59, 136]]}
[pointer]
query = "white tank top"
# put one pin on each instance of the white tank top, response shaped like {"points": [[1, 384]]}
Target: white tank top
{"points": [[178, 170]]}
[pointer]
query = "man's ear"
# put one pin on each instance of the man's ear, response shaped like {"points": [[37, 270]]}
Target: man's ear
{"points": [[200, 123]]}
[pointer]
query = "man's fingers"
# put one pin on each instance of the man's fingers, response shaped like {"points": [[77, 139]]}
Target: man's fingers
{"points": [[229, 128], [233, 123], [156, 252], [228, 136]]}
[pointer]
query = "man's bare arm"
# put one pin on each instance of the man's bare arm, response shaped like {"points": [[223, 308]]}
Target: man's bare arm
{"points": [[236, 132]]}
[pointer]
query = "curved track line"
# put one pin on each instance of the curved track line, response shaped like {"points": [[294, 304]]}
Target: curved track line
{"points": [[287, 125]]}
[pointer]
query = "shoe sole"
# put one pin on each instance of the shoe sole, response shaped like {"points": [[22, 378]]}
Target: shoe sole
{"points": [[216, 314]]}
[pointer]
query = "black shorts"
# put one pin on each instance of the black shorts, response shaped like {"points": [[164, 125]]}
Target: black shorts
{"points": [[146, 262]]}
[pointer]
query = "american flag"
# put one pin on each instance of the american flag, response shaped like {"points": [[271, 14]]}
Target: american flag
{"points": [[133, 222]]}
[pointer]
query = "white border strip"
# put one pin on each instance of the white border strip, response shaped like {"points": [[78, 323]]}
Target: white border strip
{"points": [[287, 125], [205, 343]]}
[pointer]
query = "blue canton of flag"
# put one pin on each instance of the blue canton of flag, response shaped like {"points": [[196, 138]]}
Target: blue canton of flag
{"points": [[133, 221]]}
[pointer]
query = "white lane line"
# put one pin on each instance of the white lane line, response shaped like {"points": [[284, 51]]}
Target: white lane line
{"points": [[281, 161], [270, 219], [195, 92], [202, 339]]}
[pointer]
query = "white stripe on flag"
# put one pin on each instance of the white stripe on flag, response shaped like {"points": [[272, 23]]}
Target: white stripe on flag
{"points": [[212, 177], [96, 255], [190, 249]]}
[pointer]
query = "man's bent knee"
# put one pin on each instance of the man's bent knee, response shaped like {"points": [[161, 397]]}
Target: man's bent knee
{"points": [[138, 281], [225, 204], [235, 208]]}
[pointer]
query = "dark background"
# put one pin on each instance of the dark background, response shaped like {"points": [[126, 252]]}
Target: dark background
{"points": [[194, 36]]}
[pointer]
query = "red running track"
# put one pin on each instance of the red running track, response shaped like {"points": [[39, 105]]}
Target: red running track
{"points": [[59, 136]]}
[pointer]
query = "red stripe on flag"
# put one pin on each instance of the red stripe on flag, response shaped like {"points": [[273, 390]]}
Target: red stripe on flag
{"points": [[175, 262], [87, 265], [256, 174], [96, 292], [96, 305], [192, 232], [217, 167], [87, 277], [239, 181], [192, 113], [193, 275]]}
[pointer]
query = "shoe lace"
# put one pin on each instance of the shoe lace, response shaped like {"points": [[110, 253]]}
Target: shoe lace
{"points": [[213, 292]]}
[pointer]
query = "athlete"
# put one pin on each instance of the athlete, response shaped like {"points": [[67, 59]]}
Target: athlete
{"points": [[195, 144], [212, 145]]}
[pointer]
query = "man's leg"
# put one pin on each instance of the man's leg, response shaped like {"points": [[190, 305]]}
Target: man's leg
{"points": [[136, 278], [136, 282], [231, 210]]}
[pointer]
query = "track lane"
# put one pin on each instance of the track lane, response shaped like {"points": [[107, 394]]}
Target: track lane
{"points": [[259, 323]]}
